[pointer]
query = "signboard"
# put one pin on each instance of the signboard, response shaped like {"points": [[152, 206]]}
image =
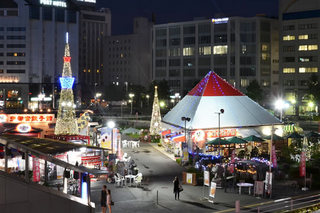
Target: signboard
{"points": [[90, 160], [29, 118], [56, 3], [23, 128], [206, 178], [212, 192], [202, 136], [36, 169], [268, 182], [274, 157], [302, 164], [189, 178], [185, 153], [258, 187], [105, 138]]}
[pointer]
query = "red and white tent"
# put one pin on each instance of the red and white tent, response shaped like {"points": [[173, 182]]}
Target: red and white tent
{"points": [[210, 95]]}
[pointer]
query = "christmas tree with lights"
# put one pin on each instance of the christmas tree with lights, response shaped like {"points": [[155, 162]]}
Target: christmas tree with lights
{"points": [[66, 120], [155, 125]]}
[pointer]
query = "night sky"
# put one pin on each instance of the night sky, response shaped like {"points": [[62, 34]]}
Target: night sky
{"points": [[123, 11]]}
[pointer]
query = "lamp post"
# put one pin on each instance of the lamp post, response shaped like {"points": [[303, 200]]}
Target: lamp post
{"points": [[310, 105], [131, 95], [280, 104], [185, 119], [111, 125], [219, 113]]}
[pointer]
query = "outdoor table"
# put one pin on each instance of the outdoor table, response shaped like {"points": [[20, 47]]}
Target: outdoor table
{"points": [[249, 185], [130, 177]]}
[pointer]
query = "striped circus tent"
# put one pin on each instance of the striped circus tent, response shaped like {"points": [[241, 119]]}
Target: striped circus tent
{"points": [[210, 95]]}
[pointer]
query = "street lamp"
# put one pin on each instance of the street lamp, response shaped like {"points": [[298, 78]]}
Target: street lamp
{"points": [[310, 105], [280, 105], [122, 103], [40, 99], [131, 95], [111, 125], [219, 113], [185, 119]]}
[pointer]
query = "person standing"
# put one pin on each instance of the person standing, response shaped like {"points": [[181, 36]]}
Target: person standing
{"points": [[109, 200], [103, 200], [176, 187]]}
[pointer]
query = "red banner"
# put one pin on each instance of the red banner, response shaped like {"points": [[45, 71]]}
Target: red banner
{"points": [[274, 157], [303, 164], [36, 169]]}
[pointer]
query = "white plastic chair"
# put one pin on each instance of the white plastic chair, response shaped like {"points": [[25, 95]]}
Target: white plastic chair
{"points": [[119, 180], [138, 179]]}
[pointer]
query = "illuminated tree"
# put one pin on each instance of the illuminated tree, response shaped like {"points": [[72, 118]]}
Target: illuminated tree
{"points": [[155, 125], [66, 120]]}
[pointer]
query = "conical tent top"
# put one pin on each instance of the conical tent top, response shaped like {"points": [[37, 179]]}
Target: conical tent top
{"points": [[214, 85]]}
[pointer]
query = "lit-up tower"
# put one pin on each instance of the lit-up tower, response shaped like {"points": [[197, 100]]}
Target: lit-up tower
{"points": [[155, 125], [66, 120]]}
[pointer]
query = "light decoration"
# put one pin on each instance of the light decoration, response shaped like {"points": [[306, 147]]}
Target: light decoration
{"points": [[23, 128], [66, 120], [3, 118], [55, 3], [155, 124]]}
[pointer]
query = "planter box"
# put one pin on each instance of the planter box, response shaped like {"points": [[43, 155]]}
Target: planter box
{"points": [[189, 178]]}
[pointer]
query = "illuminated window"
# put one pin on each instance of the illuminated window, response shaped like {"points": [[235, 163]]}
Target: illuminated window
{"points": [[205, 50], [313, 47], [121, 55], [220, 50], [84, 70], [244, 82], [98, 71], [187, 51], [303, 37], [308, 47], [289, 70], [89, 70], [289, 37], [265, 56], [308, 69], [264, 47]]}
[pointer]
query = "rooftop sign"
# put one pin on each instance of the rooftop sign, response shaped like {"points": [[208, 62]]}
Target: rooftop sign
{"points": [[56, 3], [220, 20]]}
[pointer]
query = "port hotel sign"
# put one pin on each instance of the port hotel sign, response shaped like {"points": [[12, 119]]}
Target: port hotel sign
{"points": [[27, 118]]}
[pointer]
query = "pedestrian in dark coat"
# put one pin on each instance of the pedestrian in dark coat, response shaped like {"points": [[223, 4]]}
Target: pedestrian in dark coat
{"points": [[176, 187], [103, 199]]}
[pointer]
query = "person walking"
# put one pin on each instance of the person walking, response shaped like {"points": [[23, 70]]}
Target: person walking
{"points": [[109, 200], [176, 187], [103, 200]]}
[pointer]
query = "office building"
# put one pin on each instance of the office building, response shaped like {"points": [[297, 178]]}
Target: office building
{"points": [[32, 38], [236, 48], [299, 52], [128, 57]]}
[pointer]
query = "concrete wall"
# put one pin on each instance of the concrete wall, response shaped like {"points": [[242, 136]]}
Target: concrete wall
{"points": [[18, 196]]}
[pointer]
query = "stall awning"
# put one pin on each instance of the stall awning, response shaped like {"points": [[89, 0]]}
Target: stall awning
{"points": [[166, 132], [179, 138], [45, 145]]}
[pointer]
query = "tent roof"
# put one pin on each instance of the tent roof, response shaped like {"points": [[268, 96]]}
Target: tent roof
{"points": [[130, 130], [210, 95]]}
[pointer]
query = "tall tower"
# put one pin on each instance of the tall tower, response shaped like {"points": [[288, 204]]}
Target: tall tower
{"points": [[155, 125], [66, 120]]}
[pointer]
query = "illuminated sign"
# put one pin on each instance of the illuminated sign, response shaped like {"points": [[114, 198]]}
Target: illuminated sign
{"points": [[30, 118], [66, 82], [23, 128], [3, 118], [40, 99], [199, 137], [220, 20], [88, 1], [56, 3]]}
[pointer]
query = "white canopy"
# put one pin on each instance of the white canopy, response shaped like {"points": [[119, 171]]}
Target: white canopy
{"points": [[211, 94]]}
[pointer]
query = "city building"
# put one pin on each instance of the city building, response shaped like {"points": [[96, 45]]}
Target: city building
{"points": [[32, 38], [238, 49], [299, 52], [94, 27], [128, 57]]}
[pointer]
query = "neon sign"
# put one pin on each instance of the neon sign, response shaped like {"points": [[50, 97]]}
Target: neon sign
{"points": [[23, 128], [29, 118], [220, 20], [56, 3], [66, 82], [89, 1]]}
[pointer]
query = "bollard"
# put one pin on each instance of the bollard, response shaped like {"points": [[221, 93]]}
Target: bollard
{"points": [[237, 206], [157, 197], [291, 205], [258, 209]]}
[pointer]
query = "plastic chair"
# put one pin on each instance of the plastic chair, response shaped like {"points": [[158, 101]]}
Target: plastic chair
{"points": [[138, 179], [119, 180]]}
